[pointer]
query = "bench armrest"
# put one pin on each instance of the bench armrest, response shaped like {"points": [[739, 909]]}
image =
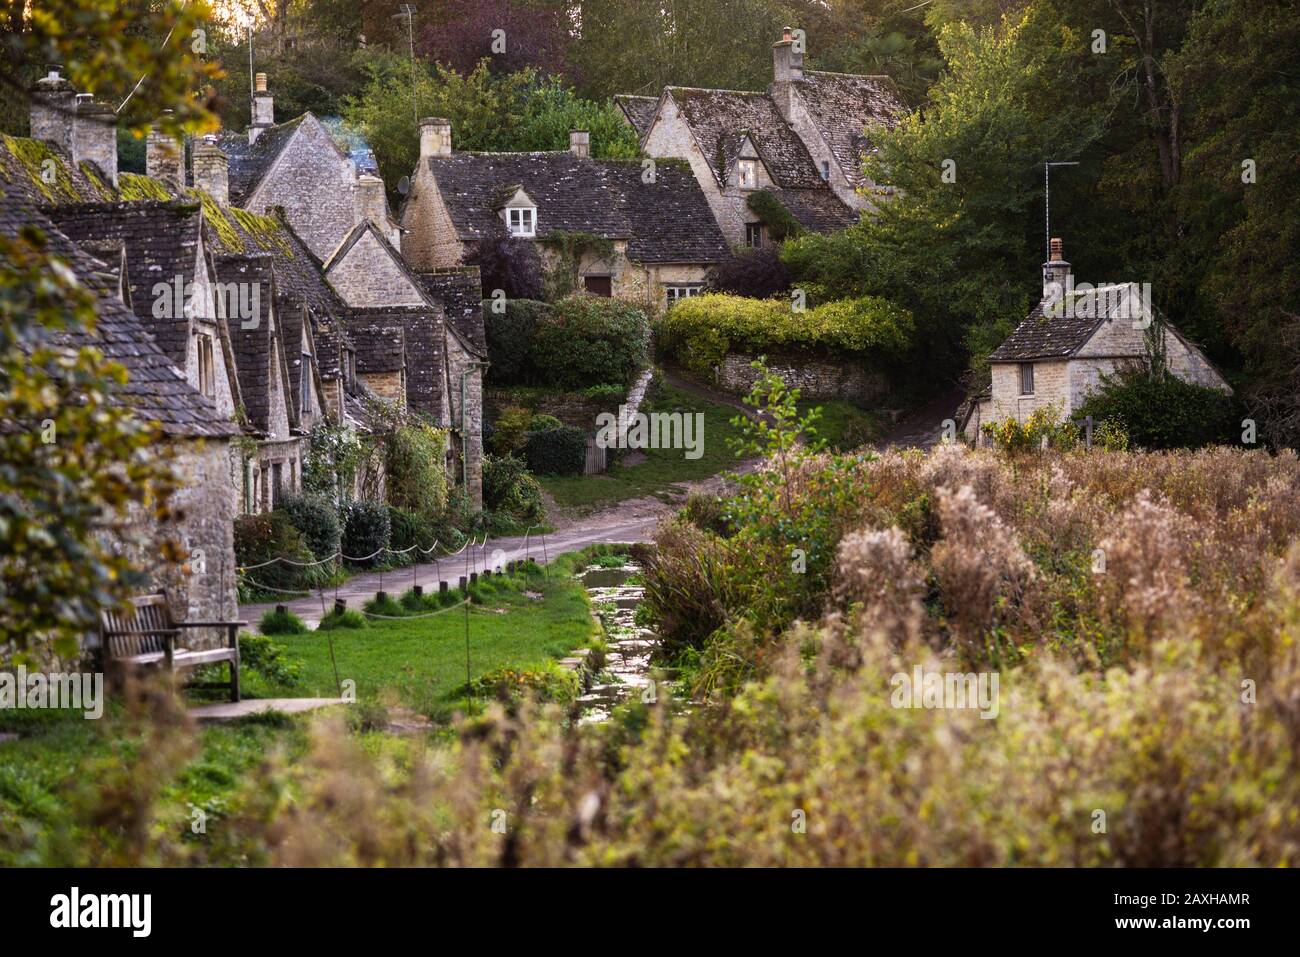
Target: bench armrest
{"points": [[156, 631], [209, 624]]}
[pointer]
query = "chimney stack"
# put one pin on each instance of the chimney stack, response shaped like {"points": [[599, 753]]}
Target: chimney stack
{"points": [[164, 158], [94, 135], [580, 143], [53, 105], [435, 137], [787, 69], [371, 202], [263, 109], [212, 169], [1055, 272]]}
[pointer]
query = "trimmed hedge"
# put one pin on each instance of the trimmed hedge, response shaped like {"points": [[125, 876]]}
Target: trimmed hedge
{"points": [[366, 529], [510, 340], [702, 330], [316, 519], [1165, 412], [559, 451], [590, 340]]}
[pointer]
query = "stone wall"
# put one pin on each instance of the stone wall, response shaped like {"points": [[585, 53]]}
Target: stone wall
{"points": [[460, 290], [816, 378], [571, 408], [368, 276], [467, 420], [1051, 387], [430, 239]]}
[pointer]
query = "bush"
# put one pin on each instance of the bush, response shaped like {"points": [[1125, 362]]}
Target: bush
{"points": [[260, 538], [702, 330], [754, 273], [509, 429], [366, 530], [350, 618], [1044, 423], [416, 463], [511, 685], [510, 335], [509, 489], [560, 451], [316, 519], [1164, 412], [277, 622], [410, 529], [267, 656], [590, 340], [510, 264]]}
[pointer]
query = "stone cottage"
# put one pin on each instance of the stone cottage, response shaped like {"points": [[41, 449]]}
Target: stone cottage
{"points": [[655, 236], [802, 141], [1072, 340]]}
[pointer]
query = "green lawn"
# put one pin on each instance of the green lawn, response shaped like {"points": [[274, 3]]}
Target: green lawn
{"points": [[843, 425], [662, 467]]}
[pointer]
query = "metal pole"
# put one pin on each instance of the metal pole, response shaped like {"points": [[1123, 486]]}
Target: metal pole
{"points": [[1047, 205]]}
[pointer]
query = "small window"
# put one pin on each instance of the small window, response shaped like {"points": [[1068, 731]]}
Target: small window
{"points": [[522, 221], [1026, 378], [826, 170], [304, 396], [598, 285], [677, 293], [207, 368], [748, 174], [753, 235]]}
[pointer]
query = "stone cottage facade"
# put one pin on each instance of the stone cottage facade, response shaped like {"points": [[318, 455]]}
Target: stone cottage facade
{"points": [[657, 234], [1071, 341], [802, 141]]}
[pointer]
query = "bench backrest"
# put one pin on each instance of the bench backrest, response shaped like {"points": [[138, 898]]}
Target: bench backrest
{"points": [[126, 634]]}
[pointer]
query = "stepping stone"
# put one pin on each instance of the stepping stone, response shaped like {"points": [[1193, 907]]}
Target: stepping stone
{"points": [[234, 710]]}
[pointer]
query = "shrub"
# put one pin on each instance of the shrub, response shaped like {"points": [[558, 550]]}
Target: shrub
{"points": [[267, 656], [350, 618], [544, 421], [410, 529], [511, 685], [260, 538], [366, 530], [316, 519], [1164, 412], [754, 273], [1044, 423], [591, 340], [510, 264], [702, 330], [416, 466], [508, 488], [509, 429], [560, 451], [277, 622], [510, 328]]}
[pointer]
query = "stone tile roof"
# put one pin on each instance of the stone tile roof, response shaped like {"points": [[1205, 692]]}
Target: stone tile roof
{"points": [[721, 119], [639, 110], [155, 389], [423, 335], [254, 339], [162, 240], [379, 337], [843, 105], [818, 210], [460, 290], [1041, 336], [22, 161], [249, 162], [665, 221]]}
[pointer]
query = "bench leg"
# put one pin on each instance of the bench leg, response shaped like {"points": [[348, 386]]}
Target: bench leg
{"points": [[234, 664]]}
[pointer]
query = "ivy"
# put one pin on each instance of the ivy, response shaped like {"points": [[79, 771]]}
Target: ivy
{"points": [[569, 248], [780, 224]]}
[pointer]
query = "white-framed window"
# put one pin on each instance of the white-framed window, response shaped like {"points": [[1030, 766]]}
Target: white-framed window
{"points": [[679, 292], [753, 235], [747, 174], [522, 220], [1026, 378]]}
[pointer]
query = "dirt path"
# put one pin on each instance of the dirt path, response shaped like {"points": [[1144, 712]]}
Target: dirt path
{"points": [[922, 427]]}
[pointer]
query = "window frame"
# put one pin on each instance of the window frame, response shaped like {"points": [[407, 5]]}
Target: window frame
{"points": [[675, 292], [1026, 375], [749, 166], [753, 235], [522, 231]]}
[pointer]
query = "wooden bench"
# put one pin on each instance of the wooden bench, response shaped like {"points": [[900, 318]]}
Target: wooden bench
{"points": [[146, 637]]}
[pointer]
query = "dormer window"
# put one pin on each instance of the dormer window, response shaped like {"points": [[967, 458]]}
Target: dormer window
{"points": [[826, 170], [747, 174], [522, 220]]}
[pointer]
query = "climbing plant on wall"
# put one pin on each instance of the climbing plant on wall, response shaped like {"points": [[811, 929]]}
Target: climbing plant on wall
{"points": [[569, 248]]}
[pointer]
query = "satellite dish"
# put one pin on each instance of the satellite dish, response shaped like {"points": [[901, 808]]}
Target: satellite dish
{"points": [[404, 185]]}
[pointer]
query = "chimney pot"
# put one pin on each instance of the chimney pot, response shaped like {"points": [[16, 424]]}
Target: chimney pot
{"points": [[263, 109], [435, 137], [580, 143], [787, 67], [261, 82], [1056, 272]]}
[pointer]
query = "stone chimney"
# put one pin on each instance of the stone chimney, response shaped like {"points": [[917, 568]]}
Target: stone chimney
{"points": [[787, 70], [164, 157], [371, 202], [94, 135], [212, 169], [53, 109], [263, 108], [435, 137], [580, 143], [1055, 272]]}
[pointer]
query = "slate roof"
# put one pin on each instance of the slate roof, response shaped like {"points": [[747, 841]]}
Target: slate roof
{"points": [[254, 338], [665, 221], [1041, 336], [818, 210], [721, 119], [843, 105], [380, 341], [249, 162], [162, 241], [419, 349], [639, 110], [155, 389]]}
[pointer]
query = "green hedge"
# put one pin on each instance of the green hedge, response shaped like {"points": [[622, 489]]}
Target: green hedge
{"points": [[1165, 412], [416, 466], [316, 519], [701, 331], [260, 538], [559, 451], [510, 340], [590, 340], [366, 529]]}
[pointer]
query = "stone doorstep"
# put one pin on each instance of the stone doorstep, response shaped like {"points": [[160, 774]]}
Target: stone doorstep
{"points": [[234, 710]]}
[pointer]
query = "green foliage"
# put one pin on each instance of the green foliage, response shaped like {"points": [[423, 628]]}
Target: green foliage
{"points": [[350, 619], [366, 530], [510, 490], [408, 529], [1164, 412], [587, 340], [271, 535], [557, 451], [275, 622], [568, 250], [416, 468], [334, 455], [316, 519], [1044, 424], [265, 655], [509, 428], [511, 686], [780, 224], [510, 340], [702, 330]]}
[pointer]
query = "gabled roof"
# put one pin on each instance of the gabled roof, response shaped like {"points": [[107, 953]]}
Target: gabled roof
{"points": [[256, 339], [155, 389], [1043, 336], [667, 220], [639, 110], [380, 341], [843, 105], [354, 236], [250, 162], [721, 119], [818, 210]]}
